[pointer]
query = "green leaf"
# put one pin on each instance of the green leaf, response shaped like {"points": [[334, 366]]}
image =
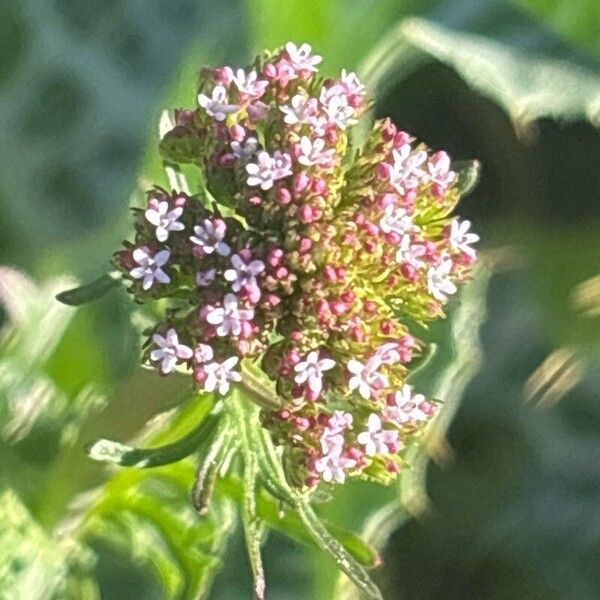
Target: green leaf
{"points": [[32, 564], [526, 86], [469, 174], [127, 456], [91, 291], [148, 513]]}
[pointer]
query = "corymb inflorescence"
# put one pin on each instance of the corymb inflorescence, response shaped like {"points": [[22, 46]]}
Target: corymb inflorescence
{"points": [[303, 255]]}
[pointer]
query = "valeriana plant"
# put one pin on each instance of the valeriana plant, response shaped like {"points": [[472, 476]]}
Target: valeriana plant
{"points": [[287, 285]]}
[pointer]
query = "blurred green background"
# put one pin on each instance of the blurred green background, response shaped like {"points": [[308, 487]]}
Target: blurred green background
{"points": [[513, 508]]}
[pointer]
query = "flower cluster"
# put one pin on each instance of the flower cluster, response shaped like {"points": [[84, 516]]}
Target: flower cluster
{"points": [[302, 254]]}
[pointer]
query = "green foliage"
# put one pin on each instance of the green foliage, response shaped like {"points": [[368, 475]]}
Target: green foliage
{"points": [[527, 87], [578, 20], [80, 89]]}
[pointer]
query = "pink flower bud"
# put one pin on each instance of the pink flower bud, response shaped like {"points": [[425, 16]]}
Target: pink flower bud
{"points": [[255, 200], [383, 171], [319, 186], [305, 245], [370, 307], [301, 182], [386, 327], [329, 273], [338, 308], [401, 138], [437, 190], [388, 131], [199, 375], [408, 271], [301, 423], [385, 200], [237, 132], [284, 196], [270, 71], [306, 214]]}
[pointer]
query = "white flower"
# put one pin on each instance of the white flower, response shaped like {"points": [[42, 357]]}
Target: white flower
{"points": [[410, 253], [150, 267], [165, 220], [406, 407], [217, 106], [229, 317], [407, 171], [366, 377], [249, 83], [220, 374], [245, 150], [397, 220], [460, 239], [169, 351], [205, 278], [209, 237], [336, 107], [302, 110], [439, 284], [311, 370], [312, 153], [439, 169], [333, 467], [243, 275], [268, 169], [300, 57], [376, 439]]}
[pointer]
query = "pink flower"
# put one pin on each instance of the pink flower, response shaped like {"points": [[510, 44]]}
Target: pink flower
{"points": [[439, 169], [220, 374], [460, 238], [351, 84], [313, 153], [229, 319], [336, 107], [365, 377], [169, 351], [243, 276], [410, 253], [407, 408], [396, 220], [267, 169], [163, 219], [407, 170], [205, 278], [300, 57], [377, 440], [217, 106], [209, 236], [249, 84], [311, 371], [333, 467], [439, 284], [203, 353], [302, 109], [149, 268], [245, 150]]}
